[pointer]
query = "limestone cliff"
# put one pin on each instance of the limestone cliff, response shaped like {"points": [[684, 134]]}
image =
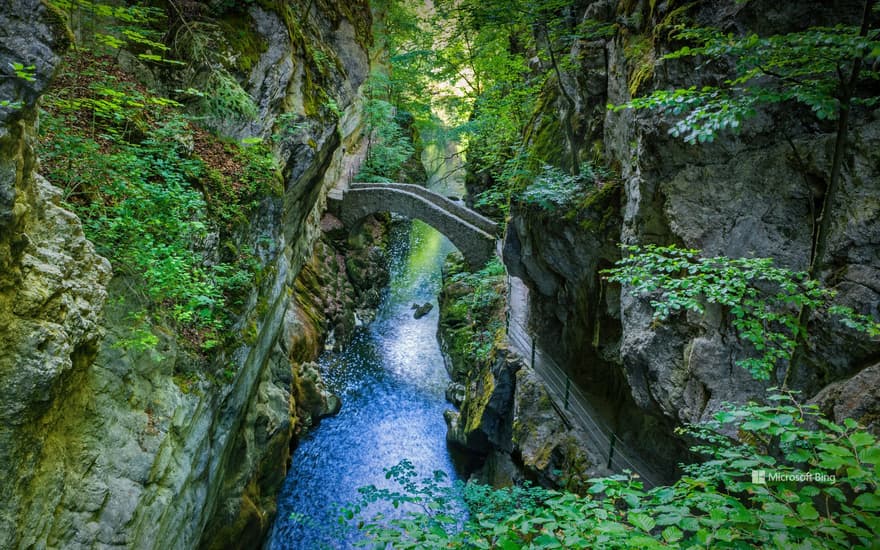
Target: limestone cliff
{"points": [[106, 445], [753, 193], [52, 284]]}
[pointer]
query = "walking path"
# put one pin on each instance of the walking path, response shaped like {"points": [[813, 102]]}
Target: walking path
{"points": [[571, 403]]}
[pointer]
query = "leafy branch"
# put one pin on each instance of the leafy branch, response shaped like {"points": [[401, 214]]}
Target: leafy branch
{"points": [[764, 301], [815, 486]]}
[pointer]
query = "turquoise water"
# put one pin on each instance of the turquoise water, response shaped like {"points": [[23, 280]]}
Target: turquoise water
{"points": [[392, 383]]}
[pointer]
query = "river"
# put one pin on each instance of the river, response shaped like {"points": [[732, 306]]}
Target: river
{"points": [[392, 383]]}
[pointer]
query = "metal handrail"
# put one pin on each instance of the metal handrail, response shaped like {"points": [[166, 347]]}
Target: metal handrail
{"points": [[576, 406]]}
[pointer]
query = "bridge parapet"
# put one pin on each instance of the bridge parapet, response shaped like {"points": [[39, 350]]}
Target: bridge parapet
{"points": [[458, 223], [455, 207]]}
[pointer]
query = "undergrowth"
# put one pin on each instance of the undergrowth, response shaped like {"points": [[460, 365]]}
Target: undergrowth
{"points": [[153, 191], [791, 479], [472, 310]]}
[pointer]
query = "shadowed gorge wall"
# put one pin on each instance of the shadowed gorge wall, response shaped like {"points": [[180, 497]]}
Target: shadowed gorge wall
{"points": [[105, 444]]}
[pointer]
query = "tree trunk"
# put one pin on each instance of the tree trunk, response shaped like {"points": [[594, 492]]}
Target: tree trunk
{"points": [[820, 244]]}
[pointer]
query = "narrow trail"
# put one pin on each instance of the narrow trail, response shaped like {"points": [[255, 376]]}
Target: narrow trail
{"points": [[570, 402]]}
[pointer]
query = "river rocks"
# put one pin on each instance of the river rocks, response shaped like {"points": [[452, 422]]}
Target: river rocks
{"points": [[420, 311], [312, 397]]}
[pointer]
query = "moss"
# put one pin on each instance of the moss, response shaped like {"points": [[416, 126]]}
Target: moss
{"points": [[639, 53], [545, 133], [244, 40], [476, 402], [600, 210], [262, 306], [57, 22], [250, 332]]}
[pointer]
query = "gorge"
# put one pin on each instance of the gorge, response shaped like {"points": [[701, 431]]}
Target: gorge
{"points": [[200, 266]]}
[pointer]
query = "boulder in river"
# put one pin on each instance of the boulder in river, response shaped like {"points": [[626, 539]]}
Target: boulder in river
{"points": [[422, 310]]}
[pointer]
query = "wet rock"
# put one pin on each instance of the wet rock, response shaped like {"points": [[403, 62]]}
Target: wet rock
{"points": [[422, 310], [547, 447], [312, 395], [857, 397]]}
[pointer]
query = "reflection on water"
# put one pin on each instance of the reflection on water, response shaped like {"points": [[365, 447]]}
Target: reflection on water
{"points": [[391, 380]]}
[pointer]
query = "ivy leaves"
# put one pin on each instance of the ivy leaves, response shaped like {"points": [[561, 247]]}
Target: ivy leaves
{"points": [[764, 301]]}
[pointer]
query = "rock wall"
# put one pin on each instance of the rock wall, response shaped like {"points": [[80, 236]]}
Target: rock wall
{"points": [[505, 419], [52, 283], [747, 194], [107, 446]]}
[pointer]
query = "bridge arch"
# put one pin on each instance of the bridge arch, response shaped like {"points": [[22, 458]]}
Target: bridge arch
{"points": [[472, 234]]}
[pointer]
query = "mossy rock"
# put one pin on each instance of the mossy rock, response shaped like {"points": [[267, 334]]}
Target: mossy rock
{"points": [[243, 39]]}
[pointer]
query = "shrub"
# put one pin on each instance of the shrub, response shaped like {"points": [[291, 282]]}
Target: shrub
{"points": [[764, 301], [793, 479], [150, 187]]}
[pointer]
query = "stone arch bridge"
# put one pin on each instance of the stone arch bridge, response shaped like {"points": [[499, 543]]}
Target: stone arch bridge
{"points": [[471, 233]]}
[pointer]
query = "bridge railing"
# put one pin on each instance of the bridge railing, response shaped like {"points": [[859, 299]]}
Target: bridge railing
{"points": [[575, 408], [454, 207]]}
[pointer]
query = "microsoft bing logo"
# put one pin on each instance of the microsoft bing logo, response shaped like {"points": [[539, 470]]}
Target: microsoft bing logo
{"points": [[761, 477]]}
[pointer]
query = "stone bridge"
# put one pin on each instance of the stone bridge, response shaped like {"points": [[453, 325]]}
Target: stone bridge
{"points": [[471, 233]]}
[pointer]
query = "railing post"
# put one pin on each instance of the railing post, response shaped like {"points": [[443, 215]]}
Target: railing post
{"points": [[533, 352], [507, 310], [611, 450], [567, 388]]}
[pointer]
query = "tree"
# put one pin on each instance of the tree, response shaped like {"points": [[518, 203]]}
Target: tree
{"points": [[543, 27], [828, 69]]}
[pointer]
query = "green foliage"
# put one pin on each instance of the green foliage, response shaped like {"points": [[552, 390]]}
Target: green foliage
{"points": [[389, 147], [764, 301], [473, 317], [140, 211], [820, 489], [557, 191], [232, 196], [135, 27], [287, 125], [226, 98], [24, 72], [129, 165], [807, 67]]}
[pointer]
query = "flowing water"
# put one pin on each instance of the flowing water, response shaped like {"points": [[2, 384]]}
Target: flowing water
{"points": [[392, 381]]}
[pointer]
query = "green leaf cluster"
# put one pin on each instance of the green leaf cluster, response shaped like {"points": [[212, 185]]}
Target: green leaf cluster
{"points": [[820, 489], [807, 67], [136, 27], [389, 146], [555, 190], [764, 301]]}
